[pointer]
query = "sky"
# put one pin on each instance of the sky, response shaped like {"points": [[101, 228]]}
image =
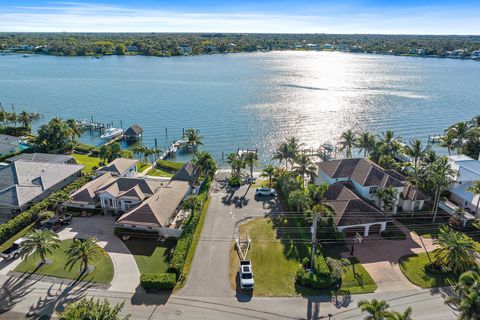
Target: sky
{"points": [[247, 16]]}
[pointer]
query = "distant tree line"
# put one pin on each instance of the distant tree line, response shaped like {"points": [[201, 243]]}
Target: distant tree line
{"points": [[168, 44]]}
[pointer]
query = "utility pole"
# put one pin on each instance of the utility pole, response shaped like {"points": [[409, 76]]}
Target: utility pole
{"points": [[313, 229]]}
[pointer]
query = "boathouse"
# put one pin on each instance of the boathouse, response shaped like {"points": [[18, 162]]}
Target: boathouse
{"points": [[133, 133]]}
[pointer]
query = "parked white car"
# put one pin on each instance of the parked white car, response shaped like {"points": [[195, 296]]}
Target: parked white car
{"points": [[263, 191], [246, 275], [14, 251]]}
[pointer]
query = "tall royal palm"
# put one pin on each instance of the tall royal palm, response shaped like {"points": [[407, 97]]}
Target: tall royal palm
{"points": [[268, 172], [83, 251], [305, 167], [415, 150], [440, 175], [347, 142], [455, 250], [365, 142], [251, 158], [39, 243], [460, 131], [75, 129], [193, 138]]}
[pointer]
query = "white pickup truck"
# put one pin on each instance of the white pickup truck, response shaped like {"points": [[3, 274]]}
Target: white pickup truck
{"points": [[14, 251], [246, 275]]}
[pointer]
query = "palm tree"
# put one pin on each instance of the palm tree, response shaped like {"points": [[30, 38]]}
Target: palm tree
{"points": [[386, 197], [13, 117], [456, 250], [395, 315], [3, 116], [365, 142], [82, 250], [389, 144], [236, 162], [250, 159], [140, 150], [460, 131], [317, 192], [346, 142], [75, 130], [25, 119], [283, 153], [268, 172], [475, 189], [415, 150], [440, 175], [193, 138], [41, 243], [305, 167], [376, 309], [466, 301], [205, 164], [448, 141], [299, 200]]}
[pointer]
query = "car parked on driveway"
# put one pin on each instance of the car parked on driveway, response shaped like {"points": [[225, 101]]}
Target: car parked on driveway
{"points": [[14, 251], [263, 191], [56, 221]]}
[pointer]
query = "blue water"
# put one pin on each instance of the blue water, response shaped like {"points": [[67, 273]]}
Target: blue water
{"points": [[248, 100]]}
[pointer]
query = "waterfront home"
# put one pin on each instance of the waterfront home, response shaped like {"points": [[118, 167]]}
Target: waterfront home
{"points": [[185, 49], [366, 178], [134, 133], [187, 173], [142, 203], [312, 46], [475, 55], [9, 144], [467, 172], [328, 46], [120, 167], [132, 49], [23, 183], [352, 214], [42, 157]]}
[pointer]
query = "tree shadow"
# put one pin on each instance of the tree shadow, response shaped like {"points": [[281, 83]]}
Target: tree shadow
{"points": [[56, 299], [151, 298], [14, 290]]}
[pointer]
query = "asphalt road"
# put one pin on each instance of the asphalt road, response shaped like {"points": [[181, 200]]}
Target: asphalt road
{"points": [[210, 268]]}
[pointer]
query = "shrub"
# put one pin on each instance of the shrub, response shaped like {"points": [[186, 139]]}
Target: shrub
{"points": [[23, 219], [320, 278], [83, 147], [234, 181], [15, 131], [158, 281], [171, 166]]}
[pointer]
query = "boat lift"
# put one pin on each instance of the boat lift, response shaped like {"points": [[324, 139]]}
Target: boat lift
{"points": [[243, 246]]}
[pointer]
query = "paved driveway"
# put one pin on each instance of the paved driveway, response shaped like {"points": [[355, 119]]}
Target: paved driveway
{"points": [[380, 258], [127, 276], [210, 269]]}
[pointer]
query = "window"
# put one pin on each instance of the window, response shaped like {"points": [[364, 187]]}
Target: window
{"points": [[372, 190], [416, 206]]}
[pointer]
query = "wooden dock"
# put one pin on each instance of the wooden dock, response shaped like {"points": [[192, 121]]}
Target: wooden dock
{"points": [[171, 150]]}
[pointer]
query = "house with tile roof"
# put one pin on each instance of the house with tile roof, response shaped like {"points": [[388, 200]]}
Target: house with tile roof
{"points": [[367, 177], [43, 157], [352, 214], [120, 167], [23, 183]]}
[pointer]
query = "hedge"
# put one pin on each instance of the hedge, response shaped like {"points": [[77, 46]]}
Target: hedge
{"points": [[15, 131], [171, 166], [320, 278], [158, 281], [84, 148], [183, 244], [23, 219]]}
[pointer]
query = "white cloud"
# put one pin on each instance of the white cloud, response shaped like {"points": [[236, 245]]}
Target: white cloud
{"points": [[81, 17]]}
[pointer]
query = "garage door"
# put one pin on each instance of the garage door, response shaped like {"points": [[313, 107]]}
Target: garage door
{"points": [[352, 231], [375, 228]]}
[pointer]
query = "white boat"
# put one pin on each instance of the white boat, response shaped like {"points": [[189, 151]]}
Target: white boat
{"points": [[111, 133], [475, 55]]}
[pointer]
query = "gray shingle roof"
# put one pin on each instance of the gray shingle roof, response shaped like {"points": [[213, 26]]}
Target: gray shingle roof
{"points": [[134, 130], [41, 157], [186, 173], [118, 166], [87, 192], [23, 181]]}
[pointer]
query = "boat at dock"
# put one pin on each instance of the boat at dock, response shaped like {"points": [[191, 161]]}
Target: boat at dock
{"points": [[111, 133]]}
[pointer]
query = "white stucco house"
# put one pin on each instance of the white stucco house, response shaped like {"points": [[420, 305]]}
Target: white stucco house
{"points": [[467, 172]]}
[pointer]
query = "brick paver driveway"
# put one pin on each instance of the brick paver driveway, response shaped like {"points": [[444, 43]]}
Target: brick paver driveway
{"points": [[380, 258]]}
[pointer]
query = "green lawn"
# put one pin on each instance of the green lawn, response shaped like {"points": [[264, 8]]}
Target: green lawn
{"points": [[275, 262], [20, 234], [413, 267], [151, 255], [142, 166], [159, 173], [88, 161], [103, 272]]}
